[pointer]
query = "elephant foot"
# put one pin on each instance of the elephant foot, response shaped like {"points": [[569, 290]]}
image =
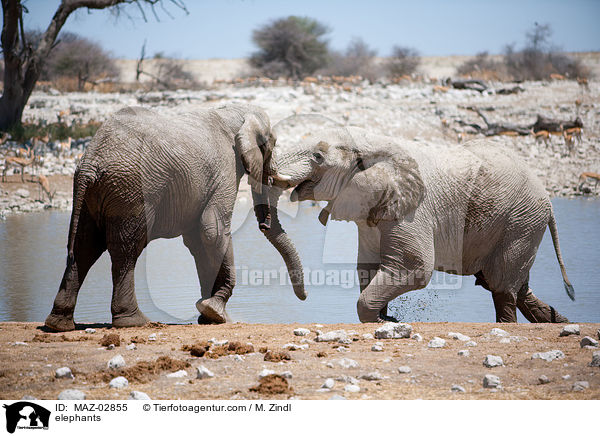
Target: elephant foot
{"points": [[212, 311], [138, 319], [60, 323]]}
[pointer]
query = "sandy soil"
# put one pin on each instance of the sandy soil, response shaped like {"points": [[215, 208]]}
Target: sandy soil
{"points": [[29, 369]]}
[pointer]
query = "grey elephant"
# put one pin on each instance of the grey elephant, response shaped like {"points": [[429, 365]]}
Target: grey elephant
{"points": [[146, 176], [471, 209]]}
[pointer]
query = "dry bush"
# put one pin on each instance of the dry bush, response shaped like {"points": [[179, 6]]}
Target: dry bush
{"points": [[403, 61], [357, 60], [483, 67]]}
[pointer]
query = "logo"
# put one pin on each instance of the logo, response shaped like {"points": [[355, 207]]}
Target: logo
{"points": [[26, 415]]}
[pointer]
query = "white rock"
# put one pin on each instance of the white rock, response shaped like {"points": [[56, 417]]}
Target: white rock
{"points": [[498, 332], [333, 336], [203, 372], [491, 381], [218, 343], [118, 382], [301, 332], [294, 347], [28, 398], [378, 346], [265, 372], [470, 344], [588, 341], [71, 394], [417, 337], [404, 369], [595, 359], [464, 353], [116, 362], [393, 330], [90, 330], [368, 336], [21, 343], [137, 395], [549, 356], [152, 337], [570, 329], [566, 376], [458, 388], [504, 340], [238, 358], [492, 361], [131, 346], [336, 397], [342, 349], [23, 193], [110, 347], [459, 336], [328, 383], [178, 374], [347, 363], [543, 380], [348, 379], [287, 374], [372, 376], [64, 372], [580, 386], [436, 343], [352, 388]]}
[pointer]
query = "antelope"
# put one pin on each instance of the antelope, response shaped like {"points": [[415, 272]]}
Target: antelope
{"points": [[62, 147], [557, 76], [583, 82], [18, 161], [542, 135], [584, 176], [575, 132], [509, 133], [45, 187], [568, 141]]}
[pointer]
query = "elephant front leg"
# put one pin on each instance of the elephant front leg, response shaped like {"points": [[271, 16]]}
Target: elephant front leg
{"points": [[366, 273], [212, 309]]}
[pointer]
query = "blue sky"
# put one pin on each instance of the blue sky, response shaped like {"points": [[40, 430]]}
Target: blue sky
{"points": [[223, 28]]}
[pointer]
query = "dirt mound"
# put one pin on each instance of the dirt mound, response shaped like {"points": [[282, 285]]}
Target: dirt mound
{"points": [[277, 356], [203, 348], [47, 337], [321, 354], [142, 372], [110, 339], [271, 385], [198, 349]]}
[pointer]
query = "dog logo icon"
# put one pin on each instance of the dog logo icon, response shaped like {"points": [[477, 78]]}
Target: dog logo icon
{"points": [[26, 415]]}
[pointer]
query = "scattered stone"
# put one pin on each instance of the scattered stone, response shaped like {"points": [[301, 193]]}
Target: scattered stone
{"points": [[287, 374], [90, 330], [295, 347], [218, 343], [337, 397], [265, 372], [203, 372], [372, 376], [498, 332], [404, 369], [152, 337], [301, 332], [333, 336], [393, 330], [378, 346], [417, 337], [588, 341], [319, 326], [436, 343], [116, 362], [178, 374], [570, 329], [580, 386], [110, 347], [491, 381], [71, 394], [368, 336], [464, 353], [492, 361], [595, 359], [131, 346], [118, 383], [23, 193], [137, 395], [347, 363], [459, 336], [470, 344], [238, 358], [21, 343], [64, 372], [328, 383], [342, 349], [549, 356], [352, 388], [504, 340], [347, 379], [543, 380], [28, 398], [458, 388], [566, 377]]}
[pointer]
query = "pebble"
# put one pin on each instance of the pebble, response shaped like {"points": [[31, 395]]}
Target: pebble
{"points": [[492, 361], [28, 398], [588, 341], [265, 372], [378, 346], [549, 356], [393, 330], [110, 347], [118, 382], [319, 326], [417, 337], [498, 332], [368, 336], [152, 337], [470, 344], [203, 372], [116, 362], [566, 376], [570, 329], [404, 369], [328, 383], [64, 372], [23, 193], [287, 374], [238, 358], [21, 343], [372, 376], [131, 346], [218, 343], [458, 388], [595, 359], [459, 336], [352, 388], [436, 343], [342, 349], [580, 386], [90, 330], [333, 336], [347, 363], [464, 353], [301, 332], [348, 379], [137, 395], [337, 397], [491, 381], [178, 374], [295, 347], [71, 394], [543, 380]]}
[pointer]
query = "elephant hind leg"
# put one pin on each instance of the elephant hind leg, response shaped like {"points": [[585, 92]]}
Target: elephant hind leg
{"points": [[535, 310]]}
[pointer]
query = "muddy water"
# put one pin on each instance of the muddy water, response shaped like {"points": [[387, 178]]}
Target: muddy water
{"points": [[32, 259]]}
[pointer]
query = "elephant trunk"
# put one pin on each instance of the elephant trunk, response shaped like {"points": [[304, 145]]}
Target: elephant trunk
{"points": [[265, 208]]}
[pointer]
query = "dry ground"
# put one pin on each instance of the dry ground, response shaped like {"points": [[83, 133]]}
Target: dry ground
{"points": [[29, 369]]}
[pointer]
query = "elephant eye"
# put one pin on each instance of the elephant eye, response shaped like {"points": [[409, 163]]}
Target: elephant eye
{"points": [[318, 157]]}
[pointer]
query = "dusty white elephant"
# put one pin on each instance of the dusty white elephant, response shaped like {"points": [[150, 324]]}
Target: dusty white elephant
{"points": [[472, 209]]}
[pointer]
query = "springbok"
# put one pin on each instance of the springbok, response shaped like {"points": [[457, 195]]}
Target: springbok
{"points": [[62, 147], [45, 187], [575, 132], [18, 162], [542, 135], [584, 176]]}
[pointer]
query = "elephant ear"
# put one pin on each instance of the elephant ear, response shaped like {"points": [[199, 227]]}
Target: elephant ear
{"points": [[247, 142], [384, 187]]}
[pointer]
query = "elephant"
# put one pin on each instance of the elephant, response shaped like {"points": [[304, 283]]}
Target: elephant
{"points": [[469, 209], [146, 176]]}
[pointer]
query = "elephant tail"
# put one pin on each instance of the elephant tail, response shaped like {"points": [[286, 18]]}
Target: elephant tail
{"points": [[81, 182], [554, 232]]}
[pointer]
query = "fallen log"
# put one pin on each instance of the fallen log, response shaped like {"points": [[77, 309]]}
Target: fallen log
{"points": [[552, 125], [473, 84], [492, 129]]}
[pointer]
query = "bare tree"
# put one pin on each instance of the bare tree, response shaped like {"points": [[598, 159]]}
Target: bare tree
{"points": [[356, 60], [23, 62], [165, 72], [404, 60]]}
